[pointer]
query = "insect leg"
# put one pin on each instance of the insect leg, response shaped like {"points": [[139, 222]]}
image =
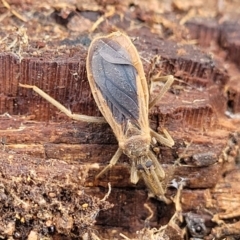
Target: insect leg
{"points": [[113, 161], [169, 80], [134, 175], [161, 192], [152, 173], [158, 167], [153, 183], [167, 140], [63, 109]]}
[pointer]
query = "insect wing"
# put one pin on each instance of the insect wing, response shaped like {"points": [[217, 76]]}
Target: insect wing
{"points": [[117, 82]]}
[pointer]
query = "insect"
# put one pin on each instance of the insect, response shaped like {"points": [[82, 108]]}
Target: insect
{"points": [[120, 89]]}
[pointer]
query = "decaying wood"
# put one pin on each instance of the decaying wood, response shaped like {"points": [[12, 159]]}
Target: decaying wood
{"points": [[49, 162]]}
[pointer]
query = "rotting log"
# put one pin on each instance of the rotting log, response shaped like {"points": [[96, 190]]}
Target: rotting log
{"points": [[48, 162]]}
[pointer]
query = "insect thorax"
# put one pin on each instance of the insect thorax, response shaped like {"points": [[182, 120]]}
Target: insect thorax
{"points": [[135, 146]]}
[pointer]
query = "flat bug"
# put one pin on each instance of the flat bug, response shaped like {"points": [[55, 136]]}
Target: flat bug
{"points": [[120, 89]]}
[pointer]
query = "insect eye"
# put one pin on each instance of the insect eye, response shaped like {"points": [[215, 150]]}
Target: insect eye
{"points": [[140, 167], [148, 164]]}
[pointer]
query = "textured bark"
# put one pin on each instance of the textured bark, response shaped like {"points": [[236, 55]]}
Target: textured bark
{"points": [[49, 162]]}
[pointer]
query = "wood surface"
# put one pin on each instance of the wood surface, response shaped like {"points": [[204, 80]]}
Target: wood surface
{"points": [[49, 162]]}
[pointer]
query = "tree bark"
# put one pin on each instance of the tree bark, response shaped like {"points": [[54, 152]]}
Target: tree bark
{"points": [[49, 162]]}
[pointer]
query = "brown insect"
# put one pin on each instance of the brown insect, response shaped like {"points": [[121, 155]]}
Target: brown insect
{"points": [[120, 89]]}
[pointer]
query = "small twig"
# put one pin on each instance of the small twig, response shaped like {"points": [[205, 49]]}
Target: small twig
{"points": [[15, 13], [150, 211], [123, 236], [109, 13], [108, 193]]}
